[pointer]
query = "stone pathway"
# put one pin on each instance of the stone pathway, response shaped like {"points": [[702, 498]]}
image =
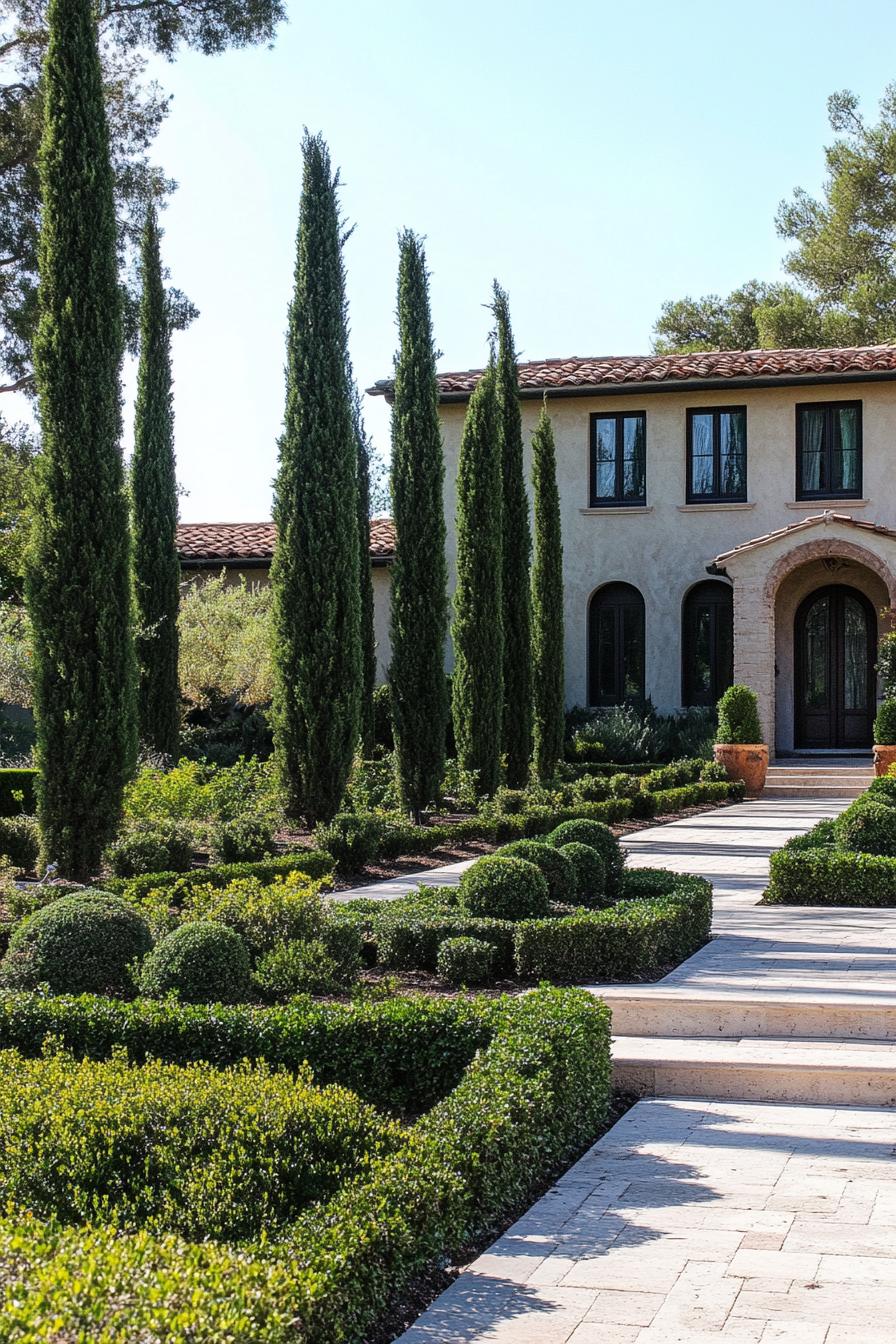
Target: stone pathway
{"points": [[694, 1222], [699, 1219]]}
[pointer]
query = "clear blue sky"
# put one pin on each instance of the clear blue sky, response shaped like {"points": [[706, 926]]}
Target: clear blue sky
{"points": [[597, 158]]}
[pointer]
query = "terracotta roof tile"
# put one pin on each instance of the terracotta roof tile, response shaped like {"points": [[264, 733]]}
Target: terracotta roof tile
{"points": [[230, 543], [829, 516], [714, 366]]}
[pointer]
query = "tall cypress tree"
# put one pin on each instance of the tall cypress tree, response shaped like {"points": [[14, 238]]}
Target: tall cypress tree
{"points": [[417, 680], [365, 590], [547, 604], [154, 488], [516, 723], [314, 575], [477, 688], [78, 585]]}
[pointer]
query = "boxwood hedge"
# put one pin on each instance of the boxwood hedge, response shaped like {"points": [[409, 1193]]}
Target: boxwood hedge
{"points": [[527, 1103], [829, 876]]}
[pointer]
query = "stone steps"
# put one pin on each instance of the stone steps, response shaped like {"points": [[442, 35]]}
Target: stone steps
{"points": [[826, 1072], [817, 781], [655, 1010]]}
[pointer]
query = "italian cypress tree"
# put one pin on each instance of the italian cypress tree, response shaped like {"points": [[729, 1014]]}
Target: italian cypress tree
{"points": [[477, 687], [547, 604], [314, 574], [365, 591], [516, 723], [419, 689], [154, 489], [78, 584]]}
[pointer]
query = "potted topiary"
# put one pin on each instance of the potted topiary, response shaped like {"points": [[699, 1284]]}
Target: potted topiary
{"points": [[885, 736], [739, 746]]}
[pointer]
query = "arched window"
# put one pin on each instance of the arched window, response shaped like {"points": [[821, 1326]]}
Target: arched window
{"points": [[707, 642], [615, 645]]}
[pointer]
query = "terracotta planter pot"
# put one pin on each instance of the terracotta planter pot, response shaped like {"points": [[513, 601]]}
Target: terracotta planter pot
{"points": [[884, 757], [748, 762]]}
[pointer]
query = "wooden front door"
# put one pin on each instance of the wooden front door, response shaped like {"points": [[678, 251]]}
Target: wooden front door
{"points": [[835, 644]]}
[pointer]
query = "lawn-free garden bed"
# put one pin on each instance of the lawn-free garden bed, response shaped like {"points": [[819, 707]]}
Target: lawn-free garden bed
{"points": [[531, 1092]]}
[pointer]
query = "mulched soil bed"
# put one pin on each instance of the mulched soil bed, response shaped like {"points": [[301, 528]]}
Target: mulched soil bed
{"points": [[425, 1290]]}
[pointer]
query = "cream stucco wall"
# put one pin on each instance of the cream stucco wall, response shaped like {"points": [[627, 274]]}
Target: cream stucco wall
{"points": [[664, 549]]}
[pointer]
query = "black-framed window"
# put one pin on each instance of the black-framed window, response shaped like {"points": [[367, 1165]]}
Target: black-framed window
{"points": [[618, 458], [717, 453], [615, 645], [829, 450], [707, 644]]}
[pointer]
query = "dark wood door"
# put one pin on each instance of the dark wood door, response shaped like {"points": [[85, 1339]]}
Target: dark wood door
{"points": [[835, 646]]}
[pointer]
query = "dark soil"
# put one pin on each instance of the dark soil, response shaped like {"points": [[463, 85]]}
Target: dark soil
{"points": [[420, 1294]]}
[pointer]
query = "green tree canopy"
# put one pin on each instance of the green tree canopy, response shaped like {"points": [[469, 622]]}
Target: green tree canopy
{"points": [[842, 263]]}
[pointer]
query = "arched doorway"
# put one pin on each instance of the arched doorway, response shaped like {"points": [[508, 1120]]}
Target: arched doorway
{"points": [[835, 648], [615, 645]]}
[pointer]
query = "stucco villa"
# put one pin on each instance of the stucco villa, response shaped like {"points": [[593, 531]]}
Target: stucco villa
{"points": [[726, 516]]}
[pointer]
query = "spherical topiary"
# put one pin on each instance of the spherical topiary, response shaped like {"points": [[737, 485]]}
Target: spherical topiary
{"points": [[241, 840], [556, 867], [465, 961], [81, 944], [739, 717], [599, 837], [151, 847], [868, 827], [200, 962], [352, 838], [882, 790], [591, 874], [885, 724], [504, 888]]}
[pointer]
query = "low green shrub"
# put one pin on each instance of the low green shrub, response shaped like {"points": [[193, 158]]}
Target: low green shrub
{"points": [[203, 1152], [198, 963], [403, 1053], [329, 964], [636, 940], [240, 840], [623, 785], [823, 833], [867, 827], [411, 942], [500, 888], [352, 838], [739, 717], [599, 837], [312, 863], [882, 789], [20, 841], [590, 874], [287, 910], [465, 961], [674, 775], [554, 866], [18, 791], [151, 847], [78, 944], [592, 789], [831, 877], [693, 795]]}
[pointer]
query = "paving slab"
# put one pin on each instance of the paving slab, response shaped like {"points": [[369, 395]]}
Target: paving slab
{"points": [[720, 1235]]}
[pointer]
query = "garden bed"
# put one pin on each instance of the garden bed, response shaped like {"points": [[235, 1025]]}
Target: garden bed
{"points": [[517, 1090]]}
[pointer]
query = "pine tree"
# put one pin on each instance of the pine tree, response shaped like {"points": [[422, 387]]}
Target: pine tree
{"points": [[547, 604], [365, 597], [154, 488], [419, 690], [314, 575], [516, 723], [78, 585], [477, 688]]}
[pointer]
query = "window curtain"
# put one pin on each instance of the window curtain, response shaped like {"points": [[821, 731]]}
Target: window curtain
{"points": [[848, 454], [701, 455], [813, 444], [733, 453]]}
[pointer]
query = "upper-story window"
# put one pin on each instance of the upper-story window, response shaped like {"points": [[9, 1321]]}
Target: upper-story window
{"points": [[829, 450], [618, 458], [717, 454]]}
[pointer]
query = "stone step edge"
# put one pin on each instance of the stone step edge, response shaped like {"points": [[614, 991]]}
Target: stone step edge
{"points": [[726, 1054], [765, 998]]}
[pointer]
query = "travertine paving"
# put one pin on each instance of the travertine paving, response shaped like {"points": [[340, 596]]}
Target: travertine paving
{"points": [[698, 1221]]}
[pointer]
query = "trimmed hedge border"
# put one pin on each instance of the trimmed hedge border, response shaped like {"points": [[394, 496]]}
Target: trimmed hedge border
{"points": [[402, 1054], [804, 876], [527, 1104], [311, 863]]}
